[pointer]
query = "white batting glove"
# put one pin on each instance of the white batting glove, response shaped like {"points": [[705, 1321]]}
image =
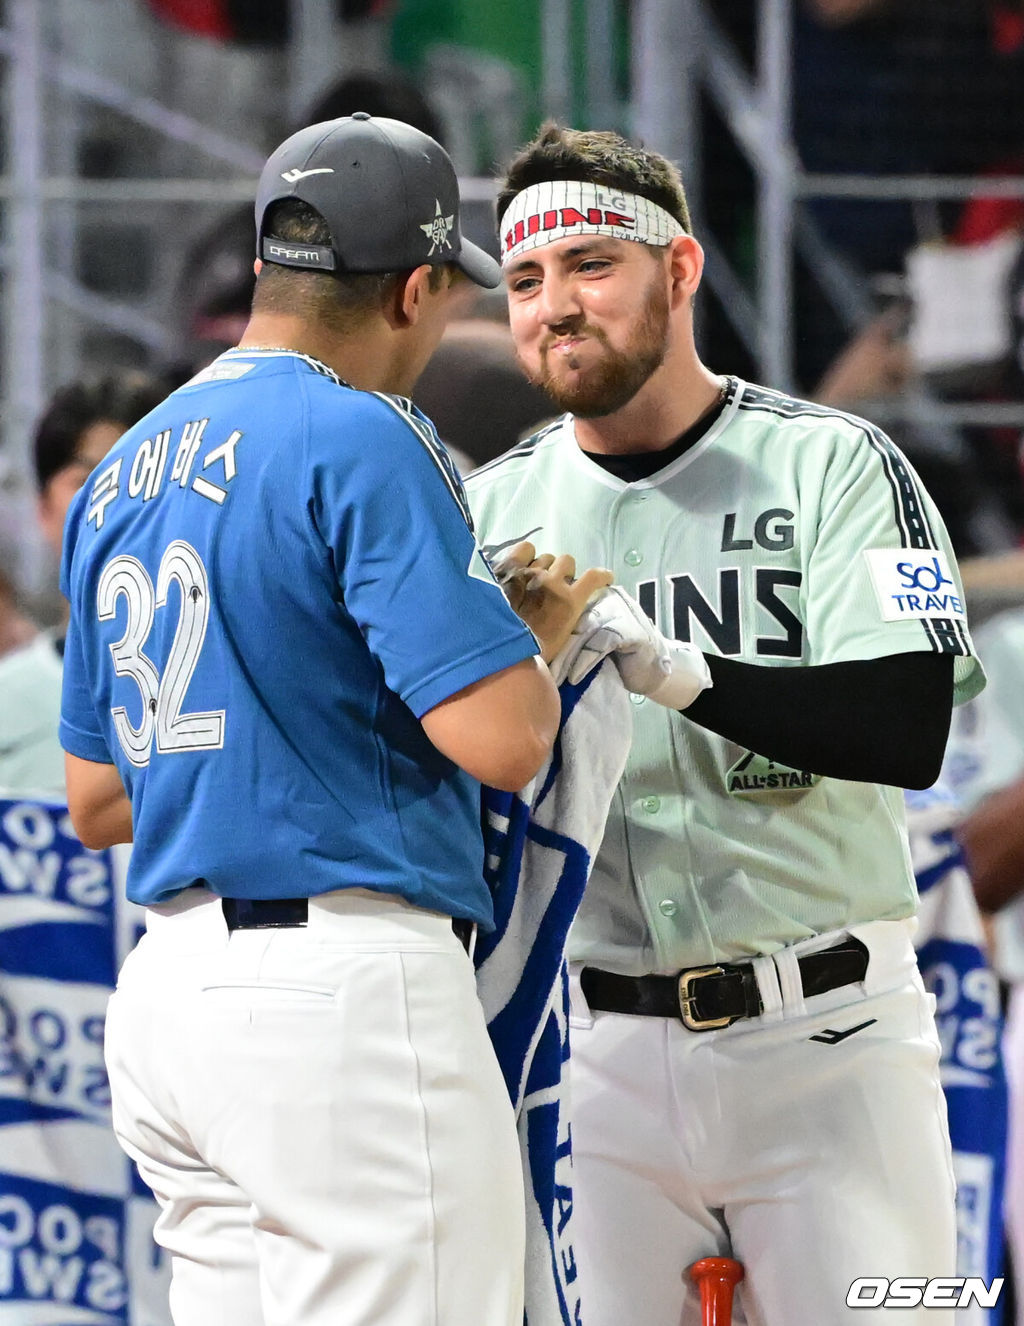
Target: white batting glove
{"points": [[667, 671]]}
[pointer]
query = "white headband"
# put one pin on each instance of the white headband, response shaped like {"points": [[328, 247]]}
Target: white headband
{"points": [[557, 208]]}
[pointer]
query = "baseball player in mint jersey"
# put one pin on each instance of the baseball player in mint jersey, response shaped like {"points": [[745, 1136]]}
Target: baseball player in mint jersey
{"points": [[287, 667], [755, 1065]]}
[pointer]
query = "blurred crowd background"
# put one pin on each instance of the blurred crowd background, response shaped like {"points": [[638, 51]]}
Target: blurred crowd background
{"points": [[856, 169]]}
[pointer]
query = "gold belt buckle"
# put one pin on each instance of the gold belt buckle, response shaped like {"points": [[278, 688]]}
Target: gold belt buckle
{"points": [[687, 1000]]}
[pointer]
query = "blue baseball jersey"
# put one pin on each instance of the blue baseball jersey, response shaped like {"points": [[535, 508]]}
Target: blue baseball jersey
{"points": [[272, 577]]}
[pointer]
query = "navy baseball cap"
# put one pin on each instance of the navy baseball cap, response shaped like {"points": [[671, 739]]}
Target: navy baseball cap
{"points": [[387, 191]]}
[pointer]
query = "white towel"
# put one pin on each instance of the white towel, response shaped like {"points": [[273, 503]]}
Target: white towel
{"points": [[540, 843]]}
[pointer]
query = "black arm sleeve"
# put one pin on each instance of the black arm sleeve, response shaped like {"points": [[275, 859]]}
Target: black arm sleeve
{"points": [[879, 720]]}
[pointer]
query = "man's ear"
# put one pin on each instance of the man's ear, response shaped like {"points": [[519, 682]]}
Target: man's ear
{"points": [[685, 267], [408, 297]]}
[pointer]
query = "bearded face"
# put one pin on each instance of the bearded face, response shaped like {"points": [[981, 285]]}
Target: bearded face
{"points": [[583, 372]]}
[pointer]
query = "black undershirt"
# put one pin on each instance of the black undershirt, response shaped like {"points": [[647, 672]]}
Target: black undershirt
{"points": [[880, 720], [642, 464]]}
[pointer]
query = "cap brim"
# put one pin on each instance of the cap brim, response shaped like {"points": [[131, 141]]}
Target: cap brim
{"points": [[478, 265]]}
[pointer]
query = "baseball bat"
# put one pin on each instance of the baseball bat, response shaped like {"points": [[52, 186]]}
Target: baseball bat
{"points": [[716, 1277]]}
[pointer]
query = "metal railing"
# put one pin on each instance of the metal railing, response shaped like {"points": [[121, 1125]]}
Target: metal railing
{"points": [[678, 52]]}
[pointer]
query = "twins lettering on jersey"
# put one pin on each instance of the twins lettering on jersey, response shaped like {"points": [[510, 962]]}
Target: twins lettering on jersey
{"points": [[909, 583], [144, 476], [717, 612]]}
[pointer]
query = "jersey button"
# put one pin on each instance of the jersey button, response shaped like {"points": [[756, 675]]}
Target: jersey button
{"points": [[651, 804], [637, 699], [634, 557], [667, 907]]}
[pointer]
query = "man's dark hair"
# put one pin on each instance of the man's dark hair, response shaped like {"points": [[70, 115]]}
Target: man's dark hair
{"points": [[339, 300], [118, 398], [559, 153]]}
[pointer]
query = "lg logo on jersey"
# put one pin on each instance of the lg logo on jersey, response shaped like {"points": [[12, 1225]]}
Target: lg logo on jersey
{"points": [[768, 532], [948, 1291], [775, 591]]}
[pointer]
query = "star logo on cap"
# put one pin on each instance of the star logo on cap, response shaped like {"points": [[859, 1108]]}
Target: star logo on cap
{"points": [[438, 228]]}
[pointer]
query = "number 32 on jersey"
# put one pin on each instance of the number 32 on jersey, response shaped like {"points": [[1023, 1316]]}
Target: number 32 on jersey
{"points": [[162, 696]]}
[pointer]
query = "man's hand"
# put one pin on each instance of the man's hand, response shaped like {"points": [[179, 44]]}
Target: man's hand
{"points": [[544, 591], [669, 672]]}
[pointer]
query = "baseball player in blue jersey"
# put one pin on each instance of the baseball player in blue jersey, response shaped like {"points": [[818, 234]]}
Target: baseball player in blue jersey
{"points": [[754, 1058], [287, 667]]}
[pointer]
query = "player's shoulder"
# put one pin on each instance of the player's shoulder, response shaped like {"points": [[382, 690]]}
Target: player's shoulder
{"points": [[816, 432], [368, 417], [393, 443], [756, 401], [767, 403], [534, 450]]}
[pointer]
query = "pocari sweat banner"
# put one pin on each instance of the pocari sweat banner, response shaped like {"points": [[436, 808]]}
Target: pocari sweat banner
{"points": [[76, 1245], [951, 955]]}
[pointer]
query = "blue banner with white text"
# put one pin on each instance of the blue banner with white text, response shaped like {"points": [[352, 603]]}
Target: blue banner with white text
{"points": [[76, 1246]]}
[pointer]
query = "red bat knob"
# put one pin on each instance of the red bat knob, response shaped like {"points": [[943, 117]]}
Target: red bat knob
{"points": [[716, 1277]]}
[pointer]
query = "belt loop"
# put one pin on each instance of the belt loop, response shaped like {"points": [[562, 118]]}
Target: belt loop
{"points": [[787, 964], [768, 989], [579, 1009]]}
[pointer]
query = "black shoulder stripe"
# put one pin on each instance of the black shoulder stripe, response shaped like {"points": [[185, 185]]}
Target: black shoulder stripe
{"points": [[945, 635], [524, 448], [909, 508], [910, 511], [949, 636]]}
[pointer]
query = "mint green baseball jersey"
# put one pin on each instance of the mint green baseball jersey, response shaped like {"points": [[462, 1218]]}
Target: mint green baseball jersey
{"points": [[788, 535]]}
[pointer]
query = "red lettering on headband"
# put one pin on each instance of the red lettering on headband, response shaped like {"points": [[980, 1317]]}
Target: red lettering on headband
{"points": [[566, 216]]}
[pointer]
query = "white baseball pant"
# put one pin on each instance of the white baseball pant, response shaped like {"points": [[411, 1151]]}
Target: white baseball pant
{"points": [[321, 1117], [812, 1162]]}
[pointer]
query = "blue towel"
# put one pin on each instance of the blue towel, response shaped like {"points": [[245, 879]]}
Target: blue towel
{"points": [[540, 843]]}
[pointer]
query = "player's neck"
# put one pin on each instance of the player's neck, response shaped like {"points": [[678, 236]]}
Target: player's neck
{"points": [[363, 359], [672, 400]]}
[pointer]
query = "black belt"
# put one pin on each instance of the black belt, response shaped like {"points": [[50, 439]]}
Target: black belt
{"points": [[705, 998], [264, 913], [282, 913]]}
